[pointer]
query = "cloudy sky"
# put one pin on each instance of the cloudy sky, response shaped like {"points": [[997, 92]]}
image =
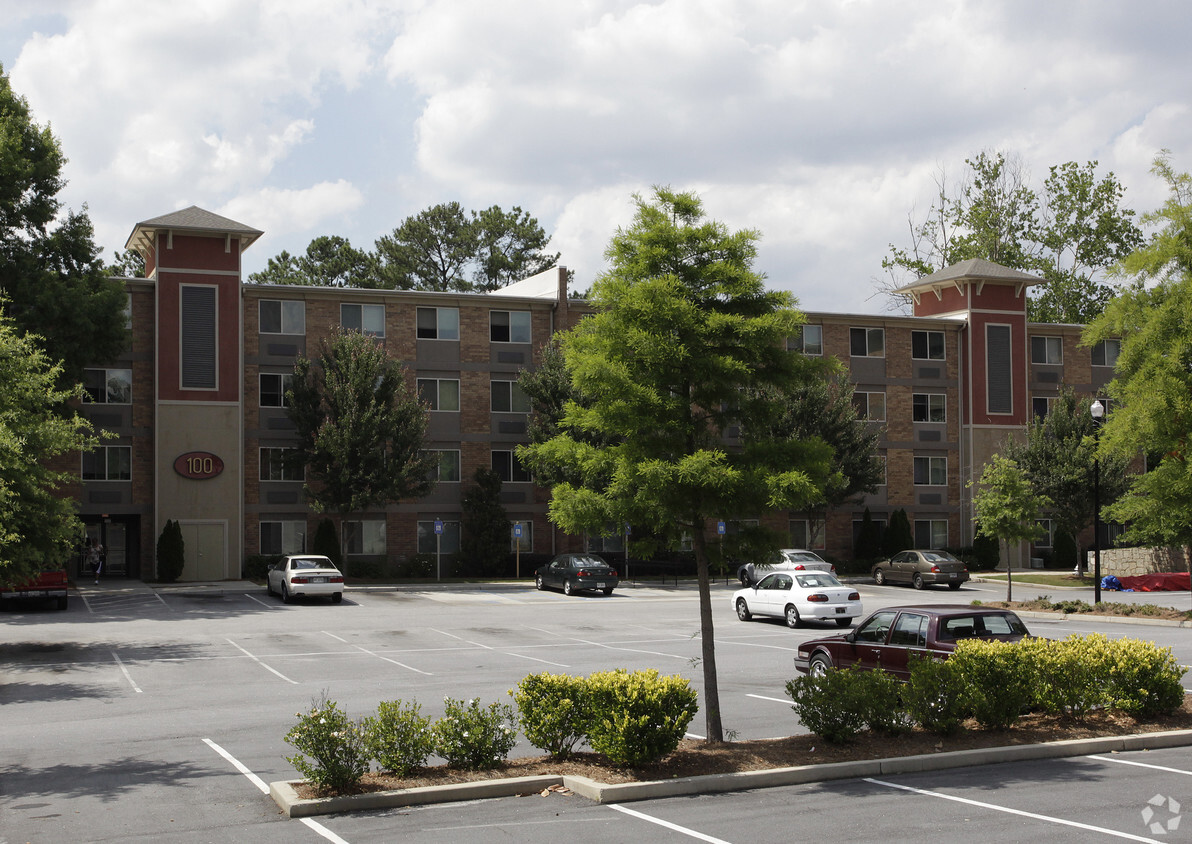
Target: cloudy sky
{"points": [[821, 124]]}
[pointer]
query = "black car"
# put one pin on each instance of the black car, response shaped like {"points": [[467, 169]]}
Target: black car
{"points": [[573, 572]]}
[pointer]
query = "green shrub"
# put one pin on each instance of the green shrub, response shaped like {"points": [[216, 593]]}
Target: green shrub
{"points": [[1073, 674], [256, 566], [326, 542], [473, 738], [554, 710], [1065, 555], [335, 745], [638, 717], [881, 699], [1144, 679], [986, 552], [1000, 679], [417, 566], [367, 569], [399, 737], [834, 706], [935, 695], [171, 552]]}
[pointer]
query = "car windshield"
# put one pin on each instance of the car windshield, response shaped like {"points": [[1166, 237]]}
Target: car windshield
{"points": [[819, 580], [939, 557], [590, 563], [968, 626]]}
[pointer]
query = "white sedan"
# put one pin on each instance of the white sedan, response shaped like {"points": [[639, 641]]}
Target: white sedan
{"points": [[788, 559], [308, 575], [799, 596]]}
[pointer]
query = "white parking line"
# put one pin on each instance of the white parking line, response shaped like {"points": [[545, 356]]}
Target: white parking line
{"points": [[394, 661], [1142, 765], [667, 824], [775, 699], [127, 676], [610, 647], [270, 605], [1010, 811], [263, 665], [260, 783]]}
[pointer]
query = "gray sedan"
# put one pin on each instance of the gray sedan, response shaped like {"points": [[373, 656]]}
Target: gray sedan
{"points": [[921, 568]]}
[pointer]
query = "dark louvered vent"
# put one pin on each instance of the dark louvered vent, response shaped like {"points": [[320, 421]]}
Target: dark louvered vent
{"points": [[198, 338], [997, 358]]}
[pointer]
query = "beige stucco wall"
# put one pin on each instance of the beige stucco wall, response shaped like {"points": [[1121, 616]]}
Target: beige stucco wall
{"points": [[1132, 562], [213, 503]]}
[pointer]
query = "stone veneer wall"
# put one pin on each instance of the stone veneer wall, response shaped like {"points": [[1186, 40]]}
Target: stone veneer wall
{"points": [[1132, 562]]}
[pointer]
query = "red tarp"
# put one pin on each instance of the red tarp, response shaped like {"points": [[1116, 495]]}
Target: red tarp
{"points": [[1173, 582]]}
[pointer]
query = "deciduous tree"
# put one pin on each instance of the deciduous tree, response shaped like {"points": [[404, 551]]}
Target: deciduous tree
{"points": [[684, 343], [38, 525], [50, 269], [1007, 506], [360, 429]]}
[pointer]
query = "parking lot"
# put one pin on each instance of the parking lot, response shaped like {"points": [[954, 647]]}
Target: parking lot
{"points": [[142, 713]]}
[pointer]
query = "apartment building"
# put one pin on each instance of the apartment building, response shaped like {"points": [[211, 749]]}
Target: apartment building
{"points": [[196, 405]]}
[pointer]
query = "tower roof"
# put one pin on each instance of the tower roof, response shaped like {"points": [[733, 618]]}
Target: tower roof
{"points": [[192, 220], [973, 270]]}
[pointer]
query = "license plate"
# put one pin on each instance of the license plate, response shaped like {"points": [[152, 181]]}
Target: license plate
{"points": [[840, 610], [318, 580], [599, 585], [952, 575]]}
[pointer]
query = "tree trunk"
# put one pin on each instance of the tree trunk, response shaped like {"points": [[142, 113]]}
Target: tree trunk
{"points": [[714, 728], [1009, 575]]}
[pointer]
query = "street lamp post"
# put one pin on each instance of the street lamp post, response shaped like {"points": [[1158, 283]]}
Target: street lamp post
{"points": [[1098, 411]]}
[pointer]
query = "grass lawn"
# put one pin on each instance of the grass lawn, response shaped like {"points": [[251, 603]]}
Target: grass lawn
{"points": [[1043, 578]]}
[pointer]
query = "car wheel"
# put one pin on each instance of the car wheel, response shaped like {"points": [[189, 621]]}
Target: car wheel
{"points": [[743, 576], [819, 665], [608, 590], [953, 586], [843, 622], [337, 598], [917, 581], [743, 612], [879, 577], [567, 590], [792, 616], [286, 597], [539, 583]]}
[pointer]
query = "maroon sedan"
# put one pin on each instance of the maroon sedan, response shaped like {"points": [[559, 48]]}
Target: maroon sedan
{"points": [[888, 637]]}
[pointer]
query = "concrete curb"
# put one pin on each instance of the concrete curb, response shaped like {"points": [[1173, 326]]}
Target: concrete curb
{"points": [[287, 798]]}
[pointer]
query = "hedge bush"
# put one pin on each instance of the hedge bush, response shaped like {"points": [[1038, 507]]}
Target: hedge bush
{"points": [[555, 710], [999, 680], [399, 737], [834, 706], [334, 743], [638, 717], [474, 738], [935, 695]]}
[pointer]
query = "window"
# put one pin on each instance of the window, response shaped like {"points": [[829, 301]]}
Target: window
{"points": [[366, 537], [446, 543], [611, 542], [1041, 405], [277, 464], [929, 407], [507, 397], [931, 471], [807, 533], [999, 379], [274, 387], [881, 463], [282, 316], [878, 523], [439, 393], [525, 542], [1106, 352], [810, 340], [1046, 536], [877, 628], [870, 406], [197, 337], [367, 319], [509, 326], [508, 468], [108, 463], [867, 342], [283, 537], [438, 323], [931, 533], [927, 345], [1049, 350], [128, 311], [107, 386], [447, 470], [910, 630]]}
